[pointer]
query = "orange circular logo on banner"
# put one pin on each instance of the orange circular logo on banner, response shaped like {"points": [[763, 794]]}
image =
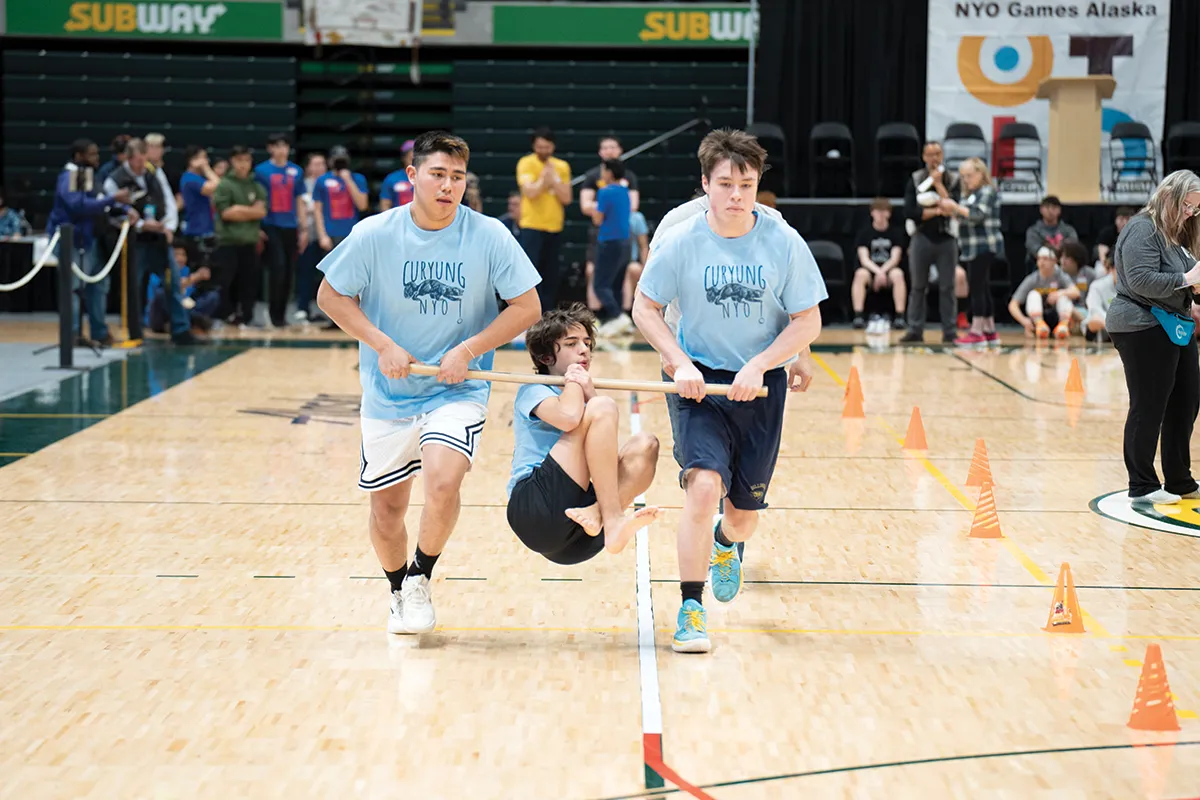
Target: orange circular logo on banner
{"points": [[1004, 71]]}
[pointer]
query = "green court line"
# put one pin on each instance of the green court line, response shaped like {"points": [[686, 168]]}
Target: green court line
{"points": [[909, 763]]}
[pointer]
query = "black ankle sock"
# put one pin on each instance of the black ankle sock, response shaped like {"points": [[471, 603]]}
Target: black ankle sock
{"points": [[397, 577], [962, 304], [719, 535], [692, 590], [422, 564]]}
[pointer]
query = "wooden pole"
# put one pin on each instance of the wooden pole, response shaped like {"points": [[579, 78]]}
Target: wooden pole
{"points": [[558, 380]]}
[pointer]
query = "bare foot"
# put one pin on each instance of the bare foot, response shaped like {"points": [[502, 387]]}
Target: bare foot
{"points": [[587, 518], [618, 534]]}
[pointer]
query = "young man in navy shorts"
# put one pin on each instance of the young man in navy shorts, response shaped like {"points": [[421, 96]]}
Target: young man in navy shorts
{"points": [[747, 288]]}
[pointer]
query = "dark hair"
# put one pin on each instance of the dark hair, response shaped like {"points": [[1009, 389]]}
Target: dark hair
{"points": [[541, 340], [604, 139], [432, 142], [191, 151], [931, 142], [739, 147], [1074, 250], [279, 138], [1128, 212], [617, 167], [1051, 200], [881, 204], [81, 146], [514, 193], [308, 159], [118, 144], [542, 133], [240, 150]]}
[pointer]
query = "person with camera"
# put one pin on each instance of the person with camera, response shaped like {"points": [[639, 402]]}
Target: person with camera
{"points": [[76, 203], [339, 198]]}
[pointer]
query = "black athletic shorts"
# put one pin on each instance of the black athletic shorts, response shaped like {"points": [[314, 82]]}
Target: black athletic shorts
{"points": [[740, 441], [537, 515]]}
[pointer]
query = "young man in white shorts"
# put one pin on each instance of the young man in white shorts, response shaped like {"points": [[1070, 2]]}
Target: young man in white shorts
{"points": [[418, 284]]}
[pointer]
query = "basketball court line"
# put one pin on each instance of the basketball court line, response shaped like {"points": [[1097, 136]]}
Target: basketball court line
{"points": [[911, 763], [1094, 627]]}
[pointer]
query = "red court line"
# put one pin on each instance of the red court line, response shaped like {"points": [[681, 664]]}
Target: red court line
{"points": [[652, 755]]}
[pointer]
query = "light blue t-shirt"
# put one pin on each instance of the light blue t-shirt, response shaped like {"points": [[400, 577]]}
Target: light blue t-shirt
{"points": [[637, 227], [735, 295], [532, 438], [428, 291]]}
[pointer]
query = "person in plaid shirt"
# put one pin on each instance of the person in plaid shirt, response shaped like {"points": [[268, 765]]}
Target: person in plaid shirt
{"points": [[979, 244]]}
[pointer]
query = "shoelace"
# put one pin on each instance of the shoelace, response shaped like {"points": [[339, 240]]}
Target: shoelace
{"points": [[694, 619], [723, 561], [415, 591]]}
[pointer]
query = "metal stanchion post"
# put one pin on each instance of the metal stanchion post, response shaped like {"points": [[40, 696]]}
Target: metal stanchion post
{"points": [[66, 257]]}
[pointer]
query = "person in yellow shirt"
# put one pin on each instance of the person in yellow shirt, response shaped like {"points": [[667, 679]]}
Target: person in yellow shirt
{"points": [[545, 183]]}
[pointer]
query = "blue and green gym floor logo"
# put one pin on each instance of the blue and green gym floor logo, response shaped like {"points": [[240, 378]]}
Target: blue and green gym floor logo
{"points": [[1182, 518]]}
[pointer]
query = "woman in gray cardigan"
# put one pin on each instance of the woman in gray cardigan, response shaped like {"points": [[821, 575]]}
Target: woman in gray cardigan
{"points": [[1152, 321]]}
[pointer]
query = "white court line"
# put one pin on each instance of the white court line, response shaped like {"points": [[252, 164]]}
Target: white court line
{"points": [[647, 657]]}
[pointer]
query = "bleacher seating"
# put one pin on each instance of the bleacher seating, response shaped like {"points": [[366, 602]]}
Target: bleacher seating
{"points": [[53, 97], [497, 104]]}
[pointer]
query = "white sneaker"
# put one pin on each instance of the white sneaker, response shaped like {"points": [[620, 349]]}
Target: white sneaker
{"points": [[300, 316], [396, 617], [1160, 497], [418, 604]]}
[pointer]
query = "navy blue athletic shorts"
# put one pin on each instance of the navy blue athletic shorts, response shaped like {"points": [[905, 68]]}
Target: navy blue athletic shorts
{"points": [[739, 441]]}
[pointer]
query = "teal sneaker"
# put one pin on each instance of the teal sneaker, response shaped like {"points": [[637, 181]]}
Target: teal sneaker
{"points": [[691, 633], [725, 572]]}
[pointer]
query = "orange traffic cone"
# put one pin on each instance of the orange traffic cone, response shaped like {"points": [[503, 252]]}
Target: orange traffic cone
{"points": [[915, 438], [853, 385], [1074, 407], [1152, 707], [1074, 380], [980, 471], [1065, 616], [854, 434], [986, 524], [854, 407]]}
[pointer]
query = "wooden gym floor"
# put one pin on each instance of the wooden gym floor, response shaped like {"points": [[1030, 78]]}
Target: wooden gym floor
{"points": [[189, 605]]}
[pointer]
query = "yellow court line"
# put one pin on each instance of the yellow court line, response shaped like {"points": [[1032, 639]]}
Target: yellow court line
{"points": [[14, 455], [1091, 623], [828, 370]]}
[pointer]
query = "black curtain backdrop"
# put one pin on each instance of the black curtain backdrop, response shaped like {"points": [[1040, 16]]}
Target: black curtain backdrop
{"points": [[1183, 64], [859, 62], [862, 63]]}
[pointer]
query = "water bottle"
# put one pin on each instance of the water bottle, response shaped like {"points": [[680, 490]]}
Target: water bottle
{"points": [[148, 214]]}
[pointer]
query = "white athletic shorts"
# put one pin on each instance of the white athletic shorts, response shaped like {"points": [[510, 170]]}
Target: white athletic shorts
{"points": [[391, 448]]}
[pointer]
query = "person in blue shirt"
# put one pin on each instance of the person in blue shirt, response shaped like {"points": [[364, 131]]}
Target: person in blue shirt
{"points": [[201, 304], [397, 189], [639, 245], [748, 291], [339, 196], [196, 188], [286, 238], [78, 203], [570, 482], [418, 284], [612, 244]]}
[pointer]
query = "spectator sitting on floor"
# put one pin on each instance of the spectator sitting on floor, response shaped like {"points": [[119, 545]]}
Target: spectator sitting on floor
{"points": [[879, 247], [1051, 231], [201, 306], [1100, 296], [12, 222], [1045, 299], [512, 217], [1075, 263], [1107, 239]]}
